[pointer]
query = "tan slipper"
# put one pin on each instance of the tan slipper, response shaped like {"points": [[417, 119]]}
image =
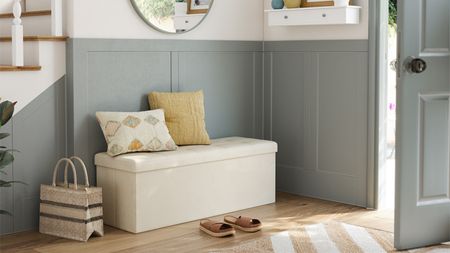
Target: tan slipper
{"points": [[216, 229], [245, 224]]}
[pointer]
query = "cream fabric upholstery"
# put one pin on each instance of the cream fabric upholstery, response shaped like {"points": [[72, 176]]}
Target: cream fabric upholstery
{"points": [[220, 149], [146, 191]]}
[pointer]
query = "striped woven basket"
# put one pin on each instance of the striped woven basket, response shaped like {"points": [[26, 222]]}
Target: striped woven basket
{"points": [[71, 211]]}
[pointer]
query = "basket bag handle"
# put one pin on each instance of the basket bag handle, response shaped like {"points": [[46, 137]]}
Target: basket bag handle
{"points": [[86, 178], [68, 162]]}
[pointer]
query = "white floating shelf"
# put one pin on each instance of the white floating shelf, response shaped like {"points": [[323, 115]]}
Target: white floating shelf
{"points": [[314, 16]]}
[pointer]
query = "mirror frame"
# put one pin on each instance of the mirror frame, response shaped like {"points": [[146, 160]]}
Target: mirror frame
{"points": [[139, 12]]}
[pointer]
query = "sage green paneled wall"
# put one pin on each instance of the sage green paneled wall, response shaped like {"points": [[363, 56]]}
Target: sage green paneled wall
{"points": [[317, 109], [39, 134], [309, 96], [6, 194], [116, 75]]}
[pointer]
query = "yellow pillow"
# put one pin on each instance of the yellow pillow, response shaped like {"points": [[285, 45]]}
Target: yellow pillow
{"points": [[185, 115]]}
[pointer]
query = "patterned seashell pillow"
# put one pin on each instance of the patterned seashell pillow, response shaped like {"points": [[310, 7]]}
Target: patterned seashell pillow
{"points": [[128, 132]]}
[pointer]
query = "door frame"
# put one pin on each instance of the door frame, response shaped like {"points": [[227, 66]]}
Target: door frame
{"points": [[375, 29]]}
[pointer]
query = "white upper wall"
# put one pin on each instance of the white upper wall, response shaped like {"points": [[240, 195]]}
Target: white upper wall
{"points": [[228, 20], [6, 6], [32, 5], [327, 32]]}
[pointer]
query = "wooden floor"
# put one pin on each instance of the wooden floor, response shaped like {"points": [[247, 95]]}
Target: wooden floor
{"points": [[287, 213]]}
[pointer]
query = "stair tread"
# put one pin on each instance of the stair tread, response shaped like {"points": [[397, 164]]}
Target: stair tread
{"points": [[28, 14], [16, 68], [38, 38]]}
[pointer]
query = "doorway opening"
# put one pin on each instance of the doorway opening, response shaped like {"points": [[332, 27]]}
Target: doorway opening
{"points": [[387, 107]]}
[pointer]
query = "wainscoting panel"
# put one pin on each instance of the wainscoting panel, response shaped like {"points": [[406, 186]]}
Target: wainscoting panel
{"points": [[288, 106], [319, 112], [311, 97], [233, 94], [342, 112], [119, 81], [116, 75], [6, 194], [39, 134]]}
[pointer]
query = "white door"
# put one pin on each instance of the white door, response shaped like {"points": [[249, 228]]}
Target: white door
{"points": [[422, 215]]}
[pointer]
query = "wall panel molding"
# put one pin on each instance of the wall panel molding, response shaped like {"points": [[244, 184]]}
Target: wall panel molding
{"points": [[288, 91], [39, 134], [6, 193], [316, 96], [317, 46], [229, 72]]}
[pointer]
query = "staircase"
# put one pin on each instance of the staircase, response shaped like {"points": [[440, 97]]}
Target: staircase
{"points": [[31, 63]]}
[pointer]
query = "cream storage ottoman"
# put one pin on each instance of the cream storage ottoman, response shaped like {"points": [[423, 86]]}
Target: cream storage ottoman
{"points": [[145, 191]]}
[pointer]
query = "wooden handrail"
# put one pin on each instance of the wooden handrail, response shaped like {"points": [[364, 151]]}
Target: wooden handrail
{"points": [[4, 68], [36, 38], [28, 14]]}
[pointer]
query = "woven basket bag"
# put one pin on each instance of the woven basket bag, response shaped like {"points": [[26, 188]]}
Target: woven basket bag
{"points": [[71, 211]]}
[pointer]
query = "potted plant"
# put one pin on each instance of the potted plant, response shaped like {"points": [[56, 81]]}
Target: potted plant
{"points": [[180, 7], [6, 155]]}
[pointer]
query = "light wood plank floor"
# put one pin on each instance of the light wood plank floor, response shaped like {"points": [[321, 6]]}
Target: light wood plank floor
{"points": [[287, 213]]}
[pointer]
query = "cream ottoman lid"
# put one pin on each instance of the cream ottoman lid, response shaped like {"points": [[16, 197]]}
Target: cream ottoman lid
{"points": [[220, 149]]}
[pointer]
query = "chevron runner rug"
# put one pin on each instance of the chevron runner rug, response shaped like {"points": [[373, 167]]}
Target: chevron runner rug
{"points": [[328, 238]]}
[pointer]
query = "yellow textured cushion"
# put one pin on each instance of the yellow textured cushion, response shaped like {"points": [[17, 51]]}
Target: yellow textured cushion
{"points": [[185, 115]]}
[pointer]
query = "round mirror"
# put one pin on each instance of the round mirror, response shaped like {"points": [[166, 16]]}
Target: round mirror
{"points": [[172, 16]]}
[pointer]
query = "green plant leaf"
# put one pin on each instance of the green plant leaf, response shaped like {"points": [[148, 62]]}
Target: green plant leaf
{"points": [[3, 135], [6, 111], [4, 212], [2, 172], [6, 158], [393, 12], [4, 183], [10, 183], [11, 150]]}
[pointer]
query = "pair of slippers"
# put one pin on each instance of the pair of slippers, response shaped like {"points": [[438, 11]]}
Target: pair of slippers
{"points": [[227, 228]]}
